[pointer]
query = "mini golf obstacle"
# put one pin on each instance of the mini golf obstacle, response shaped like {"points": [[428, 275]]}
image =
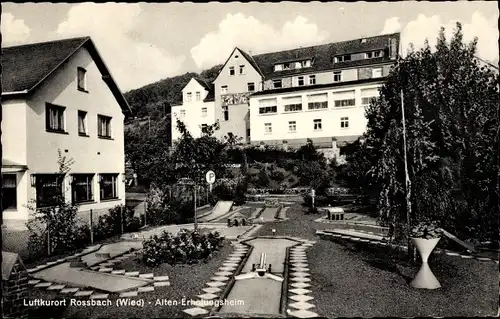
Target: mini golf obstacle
{"points": [[261, 270]]}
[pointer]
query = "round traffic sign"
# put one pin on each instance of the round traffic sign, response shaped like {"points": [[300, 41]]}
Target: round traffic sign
{"points": [[210, 177]]}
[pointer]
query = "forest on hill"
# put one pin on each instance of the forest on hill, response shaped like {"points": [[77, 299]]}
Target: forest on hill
{"points": [[155, 99]]}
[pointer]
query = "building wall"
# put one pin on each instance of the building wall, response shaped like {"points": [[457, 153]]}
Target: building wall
{"points": [[90, 154], [330, 118], [193, 118], [14, 127], [238, 113]]}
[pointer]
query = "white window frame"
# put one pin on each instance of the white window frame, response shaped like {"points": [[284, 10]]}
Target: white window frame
{"points": [[223, 89], [242, 69], [280, 81], [337, 74], [299, 79], [189, 97], [292, 124], [377, 72], [344, 122], [248, 86], [268, 128], [204, 112], [317, 125], [182, 113], [232, 71], [198, 96], [81, 75], [278, 67], [312, 79], [83, 116]]}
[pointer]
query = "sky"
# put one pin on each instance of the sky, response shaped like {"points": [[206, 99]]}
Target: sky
{"points": [[145, 42]]}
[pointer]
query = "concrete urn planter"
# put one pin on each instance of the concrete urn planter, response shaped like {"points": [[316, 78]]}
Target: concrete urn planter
{"points": [[425, 279]]}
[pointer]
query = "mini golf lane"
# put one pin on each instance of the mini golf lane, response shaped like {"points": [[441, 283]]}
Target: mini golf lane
{"points": [[260, 295], [269, 214]]}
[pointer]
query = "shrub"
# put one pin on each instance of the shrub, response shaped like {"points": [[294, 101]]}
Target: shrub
{"points": [[277, 175], [426, 230], [186, 247], [110, 225]]}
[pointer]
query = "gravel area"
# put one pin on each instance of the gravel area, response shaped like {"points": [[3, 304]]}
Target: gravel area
{"points": [[348, 281]]}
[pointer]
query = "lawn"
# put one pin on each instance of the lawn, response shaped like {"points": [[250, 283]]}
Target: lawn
{"points": [[186, 281], [348, 281]]}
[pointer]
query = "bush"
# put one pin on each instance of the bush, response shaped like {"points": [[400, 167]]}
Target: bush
{"points": [[277, 176], [186, 247], [110, 225]]}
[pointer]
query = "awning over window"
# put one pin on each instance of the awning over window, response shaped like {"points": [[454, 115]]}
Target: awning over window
{"points": [[345, 95], [322, 97], [369, 92], [268, 102], [9, 166], [292, 100]]}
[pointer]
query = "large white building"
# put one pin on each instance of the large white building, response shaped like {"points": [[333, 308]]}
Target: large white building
{"points": [[59, 96], [197, 109]]}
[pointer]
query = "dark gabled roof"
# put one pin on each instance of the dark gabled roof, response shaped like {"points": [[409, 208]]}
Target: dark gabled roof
{"points": [[252, 61], [27, 66], [323, 55], [209, 87], [317, 86]]}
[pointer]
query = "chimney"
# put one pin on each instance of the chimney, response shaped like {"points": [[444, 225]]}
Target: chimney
{"points": [[393, 49]]}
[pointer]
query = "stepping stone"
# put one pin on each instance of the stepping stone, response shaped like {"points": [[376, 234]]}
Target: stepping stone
{"points": [[99, 296], [161, 283], [43, 285], [219, 278], [161, 278], [300, 274], [301, 298], [146, 289], [102, 255], [452, 254], [299, 269], [301, 279], [300, 285], [132, 274], [128, 294], [211, 290], [303, 314], [118, 272], [207, 296], [56, 287], [484, 259], [196, 311], [301, 305], [300, 291], [216, 284], [106, 265], [298, 260], [223, 273], [230, 264], [298, 255], [466, 256], [69, 290], [105, 269], [83, 293], [33, 282], [146, 276], [299, 264], [227, 268]]}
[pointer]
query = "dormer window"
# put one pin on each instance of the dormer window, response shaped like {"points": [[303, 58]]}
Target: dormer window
{"points": [[278, 67], [342, 58], [306, 63], [371, 55], [82, 79], [286, 66]]}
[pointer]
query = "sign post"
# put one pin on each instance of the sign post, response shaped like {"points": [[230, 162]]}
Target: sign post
{"points": [[313, 193], [210, 177]]}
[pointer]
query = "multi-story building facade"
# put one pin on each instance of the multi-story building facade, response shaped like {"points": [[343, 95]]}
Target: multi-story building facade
{"points": [[60, 96], [197, 109], [319, 93]]}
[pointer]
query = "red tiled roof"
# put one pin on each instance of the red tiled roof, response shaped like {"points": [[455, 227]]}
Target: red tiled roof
{"points": [[27, 66]]}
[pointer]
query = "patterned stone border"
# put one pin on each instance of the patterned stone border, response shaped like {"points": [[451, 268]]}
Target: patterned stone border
{"points": [[339, 237], [84, 252], [299, 300], [325, 220], [221, 283]]}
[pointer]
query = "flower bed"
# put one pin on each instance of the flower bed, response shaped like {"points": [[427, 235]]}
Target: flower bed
{"points": [[187, 247]]}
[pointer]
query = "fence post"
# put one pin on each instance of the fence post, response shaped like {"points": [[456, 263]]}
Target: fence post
{"points": [[91, 229], [121, 218], [145, 212], [48, 239]]}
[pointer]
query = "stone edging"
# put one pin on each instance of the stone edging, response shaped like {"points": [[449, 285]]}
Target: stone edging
{"points": [[49, 264], [325, 220], [394, 246], [250, 231]]}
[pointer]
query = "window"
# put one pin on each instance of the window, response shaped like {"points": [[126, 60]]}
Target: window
{"points": [[369, 55], [376, 72], [278, 67], [292, 104], [268, 109], [317, 125], [344, 122], [103, 126], [223, 89], [82, 79], [203, 112], [9, 191], [189, 97], [54, 116], [49, 189], [198, 96], [345, 103], [242, 69], [286, 66], [342, 58], [231, 70], [300, 80], [82, 123], [312, 79], [368, 100], [251, 87], [236, 56], [268, 128], [317, 101], [82, 188], [277, 84], [292, 126], [225, 110], [183, 113], [337, 76], [204, 128], [306, 63], [108, 185]]}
